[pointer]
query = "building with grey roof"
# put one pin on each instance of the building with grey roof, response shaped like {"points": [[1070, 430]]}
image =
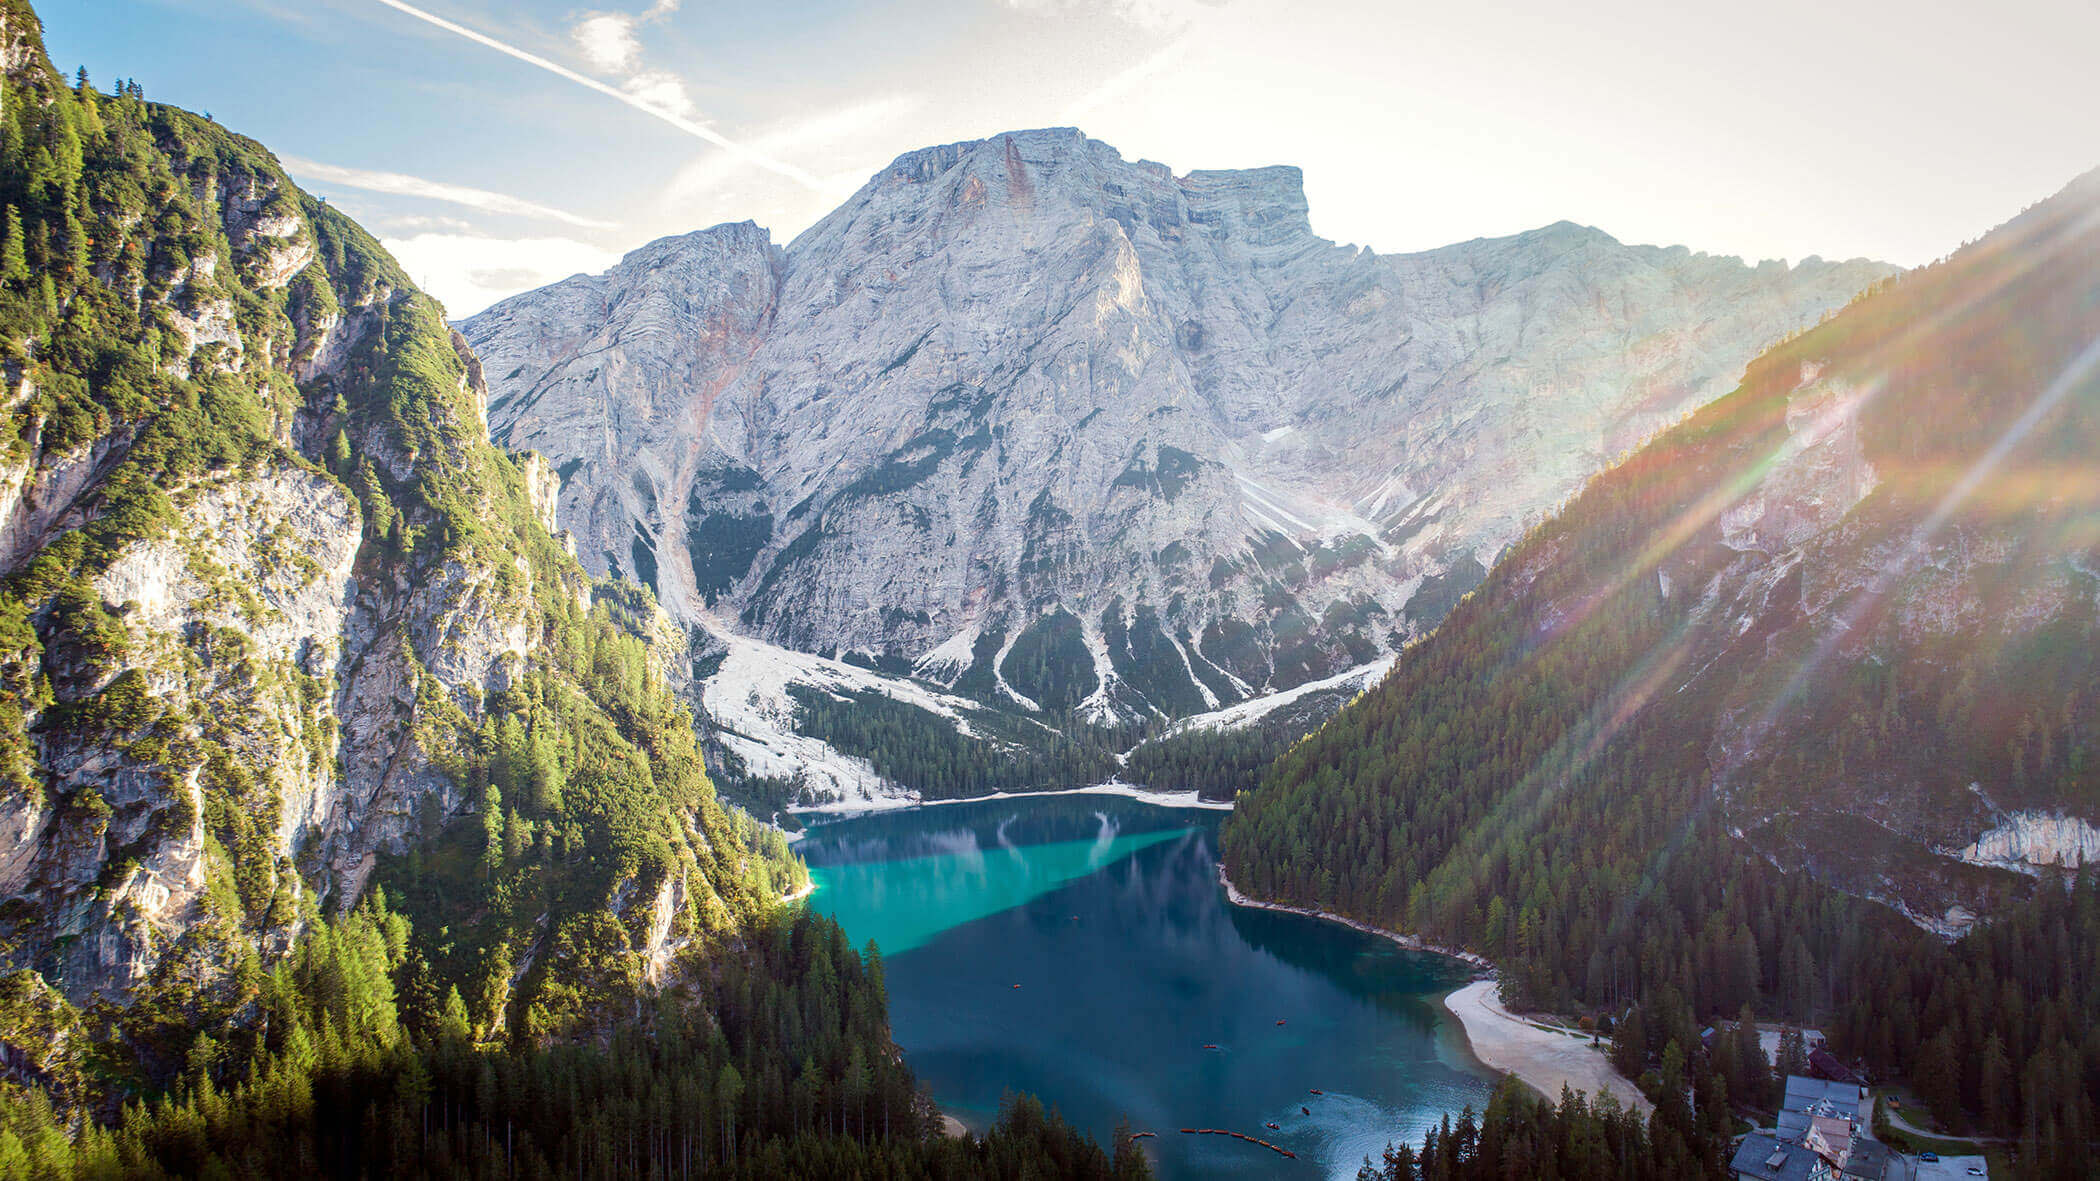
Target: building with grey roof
{"points": [[1762, 1157]]}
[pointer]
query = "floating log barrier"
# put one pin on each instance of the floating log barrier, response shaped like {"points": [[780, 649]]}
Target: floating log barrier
{"points": [[1275, 1148], [1142, 1135], [1315, 1090], [1305, 1111], [1210, 1047]]}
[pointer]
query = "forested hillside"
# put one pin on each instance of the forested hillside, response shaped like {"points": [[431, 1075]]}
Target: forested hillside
{"points": [[346, 825], [777, 1064], [1777, 706]]}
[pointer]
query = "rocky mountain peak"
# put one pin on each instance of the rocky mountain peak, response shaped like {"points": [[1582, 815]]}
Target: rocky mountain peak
{"points": [[1025, 176], [1063, 430]]}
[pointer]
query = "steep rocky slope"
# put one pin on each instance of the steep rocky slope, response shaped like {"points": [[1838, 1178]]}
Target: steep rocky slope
{"points": [[1065, 432], [1840, 623], [277, 622]]}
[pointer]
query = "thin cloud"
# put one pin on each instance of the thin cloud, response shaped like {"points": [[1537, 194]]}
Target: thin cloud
{"points": [[607, 41], [467, 272], [1126, 81], [1148, 14], [400, 185], [680, 120], [394, 226], [843, 128], [660, 91]]}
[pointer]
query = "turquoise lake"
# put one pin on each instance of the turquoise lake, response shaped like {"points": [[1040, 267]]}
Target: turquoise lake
{"points": [[1107, 912]]}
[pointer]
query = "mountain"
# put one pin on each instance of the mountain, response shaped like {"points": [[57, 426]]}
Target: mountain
{"points": [[347, 827], [1779, 705], [1070, 434], [275, 610]]}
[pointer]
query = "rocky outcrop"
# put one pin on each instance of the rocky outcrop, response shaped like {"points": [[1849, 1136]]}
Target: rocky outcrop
{"points": [[230, 633], [279, 628], [2026, 841], [42, 496], [241, 690], [1149, 431]]}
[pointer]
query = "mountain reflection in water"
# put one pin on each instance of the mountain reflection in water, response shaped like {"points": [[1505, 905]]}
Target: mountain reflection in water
{"points": [[1108, 914]]}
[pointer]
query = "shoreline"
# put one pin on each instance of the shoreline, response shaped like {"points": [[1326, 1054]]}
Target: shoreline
{"points": [[1543, 1059], [1540, 1058], [1163, 799], [1480, 963]]}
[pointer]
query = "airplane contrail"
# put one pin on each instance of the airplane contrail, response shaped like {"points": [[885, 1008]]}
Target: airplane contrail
{"points": [[696, 130]]}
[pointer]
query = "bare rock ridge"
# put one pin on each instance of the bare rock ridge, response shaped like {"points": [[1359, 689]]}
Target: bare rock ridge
{"points": [[1062, 431]]}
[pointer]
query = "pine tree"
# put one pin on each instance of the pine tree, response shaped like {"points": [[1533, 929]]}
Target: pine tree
{"points": [[14, 263]]}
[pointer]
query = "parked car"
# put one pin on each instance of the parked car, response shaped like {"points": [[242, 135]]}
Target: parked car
{"points": [[1930, 1158]]}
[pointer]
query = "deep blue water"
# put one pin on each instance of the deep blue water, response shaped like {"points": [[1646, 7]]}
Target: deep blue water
{"points": [[1108, 914]]}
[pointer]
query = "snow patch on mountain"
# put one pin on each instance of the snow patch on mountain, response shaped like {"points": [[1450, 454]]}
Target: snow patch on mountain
{"points": [[752, 713], [1252, 711]]}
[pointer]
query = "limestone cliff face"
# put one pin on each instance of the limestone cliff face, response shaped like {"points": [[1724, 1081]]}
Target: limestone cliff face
{"points": [[2030, 840], [1149, 430], [257, 652], [268, 596]]}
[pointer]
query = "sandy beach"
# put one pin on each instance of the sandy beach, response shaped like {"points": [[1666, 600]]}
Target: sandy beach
{"points": [[1542, 1058]]}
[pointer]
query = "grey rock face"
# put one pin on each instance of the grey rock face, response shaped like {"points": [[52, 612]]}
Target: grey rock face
{"points": [[269, 652], [1063, 430]]}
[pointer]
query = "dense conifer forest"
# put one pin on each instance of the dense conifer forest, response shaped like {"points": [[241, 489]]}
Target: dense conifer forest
{"points": [[776, 1062], [1522, 1135], [1542, 781]]}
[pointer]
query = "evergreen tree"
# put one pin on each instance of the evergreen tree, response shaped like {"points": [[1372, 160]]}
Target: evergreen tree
{"points": [[14, 263]]}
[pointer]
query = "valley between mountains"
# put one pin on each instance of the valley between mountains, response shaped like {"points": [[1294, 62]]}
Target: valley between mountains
{"points": [[1061, 448], [501, 747]]}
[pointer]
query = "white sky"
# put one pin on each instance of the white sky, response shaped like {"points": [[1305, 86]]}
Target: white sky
{"points": [[1773, 129]]}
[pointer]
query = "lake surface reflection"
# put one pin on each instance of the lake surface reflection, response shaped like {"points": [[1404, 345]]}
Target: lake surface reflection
{"points": [[1143, 994]]}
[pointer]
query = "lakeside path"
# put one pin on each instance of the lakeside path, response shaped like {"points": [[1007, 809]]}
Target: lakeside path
{"points": [[1540, 1057]]}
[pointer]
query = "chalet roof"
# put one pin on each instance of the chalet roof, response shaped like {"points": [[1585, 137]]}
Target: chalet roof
{"points": [[1802, 1092], [1767, 1159], [1804, 1108], [1831, 1135]]}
